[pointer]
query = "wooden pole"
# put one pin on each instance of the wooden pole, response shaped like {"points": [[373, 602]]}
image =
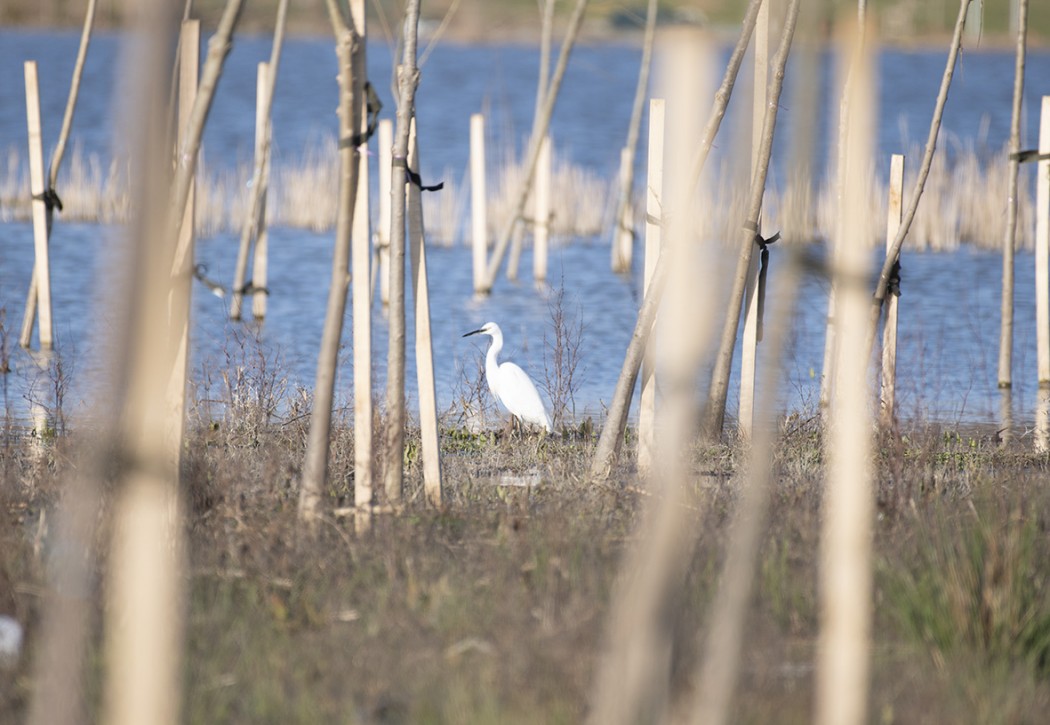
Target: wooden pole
{"points": [[478, 208], [889, 331], [182, 269], [408, 80], [260, 260], [257, 206], [350, 110], [1042, 420], [654, 199], [623, 235], [924, 171], [749, 343], [612, 432], [428, 422], [386, 150], [843, 654], [1042, 248], [42, 266], [541, 230], [29, 315], [364, 474], [539, 129], [1006, 336], [716, 402]]}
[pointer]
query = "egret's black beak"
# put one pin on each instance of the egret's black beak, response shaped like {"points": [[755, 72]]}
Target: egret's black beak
{"points": [[474, 332]]}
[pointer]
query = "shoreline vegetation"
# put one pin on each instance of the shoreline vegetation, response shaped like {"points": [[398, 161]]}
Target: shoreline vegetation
{"points": [[962, 203], [900, 22], [493, 608]]}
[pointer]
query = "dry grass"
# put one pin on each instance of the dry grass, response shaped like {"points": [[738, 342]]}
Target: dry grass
{"points": [[964, 202], [494, 608]]}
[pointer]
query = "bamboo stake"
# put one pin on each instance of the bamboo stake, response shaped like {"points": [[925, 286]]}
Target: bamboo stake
{"points": [[478, 209], [1042, 248], [623, 235], [716, 403], [842, 679], [749, 343], [654, 208], [144, 592], [182, 275], [408, 80], [260, 260], [541, 123], [924, 171], [29, 315], [541, 229], [428, 421], [360, 244], [1006, 336], [612, 432], [386, 150], [256, 208], [632, 683], [315, 464], [41, 267], [889, 331]]}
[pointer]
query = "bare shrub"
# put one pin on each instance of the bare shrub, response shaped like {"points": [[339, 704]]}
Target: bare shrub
{"points": [[561, 360]]}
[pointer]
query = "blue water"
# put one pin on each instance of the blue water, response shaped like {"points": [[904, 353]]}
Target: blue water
{"points": [[949, 311]]}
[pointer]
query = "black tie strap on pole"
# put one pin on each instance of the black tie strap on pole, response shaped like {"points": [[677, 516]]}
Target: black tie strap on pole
{"points": [[893, 284], [200, 271], [763, 245], [1028, 155], [372, 108], [414, 178], [50, 198]]}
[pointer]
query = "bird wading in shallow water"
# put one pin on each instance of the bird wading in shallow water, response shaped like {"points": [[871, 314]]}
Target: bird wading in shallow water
{"points": [[510, 384]]}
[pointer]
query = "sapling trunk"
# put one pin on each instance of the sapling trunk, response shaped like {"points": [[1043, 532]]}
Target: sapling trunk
{"points": [[408, 80], [315, 464], [716, 403], [1006, 334]]}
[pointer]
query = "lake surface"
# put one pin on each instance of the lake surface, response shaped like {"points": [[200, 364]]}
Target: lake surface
{"points": [[949, 312]]}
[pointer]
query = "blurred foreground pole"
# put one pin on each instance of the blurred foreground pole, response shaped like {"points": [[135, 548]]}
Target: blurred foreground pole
{"points": [[144, 592], [1006, 335], [634, 675], [315, 464], [408, 80], [842, 678]]}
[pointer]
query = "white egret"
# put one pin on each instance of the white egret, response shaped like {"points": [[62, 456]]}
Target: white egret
{"points": [[510, 384]]}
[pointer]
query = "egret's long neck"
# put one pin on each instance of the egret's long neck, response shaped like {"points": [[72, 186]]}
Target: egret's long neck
{"points": [[491, 359]]}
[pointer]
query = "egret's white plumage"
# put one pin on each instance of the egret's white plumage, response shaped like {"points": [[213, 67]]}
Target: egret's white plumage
{"points": [[510, 384]]}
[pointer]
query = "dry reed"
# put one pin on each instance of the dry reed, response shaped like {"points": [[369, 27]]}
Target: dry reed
{"points": [[962, 204]]}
